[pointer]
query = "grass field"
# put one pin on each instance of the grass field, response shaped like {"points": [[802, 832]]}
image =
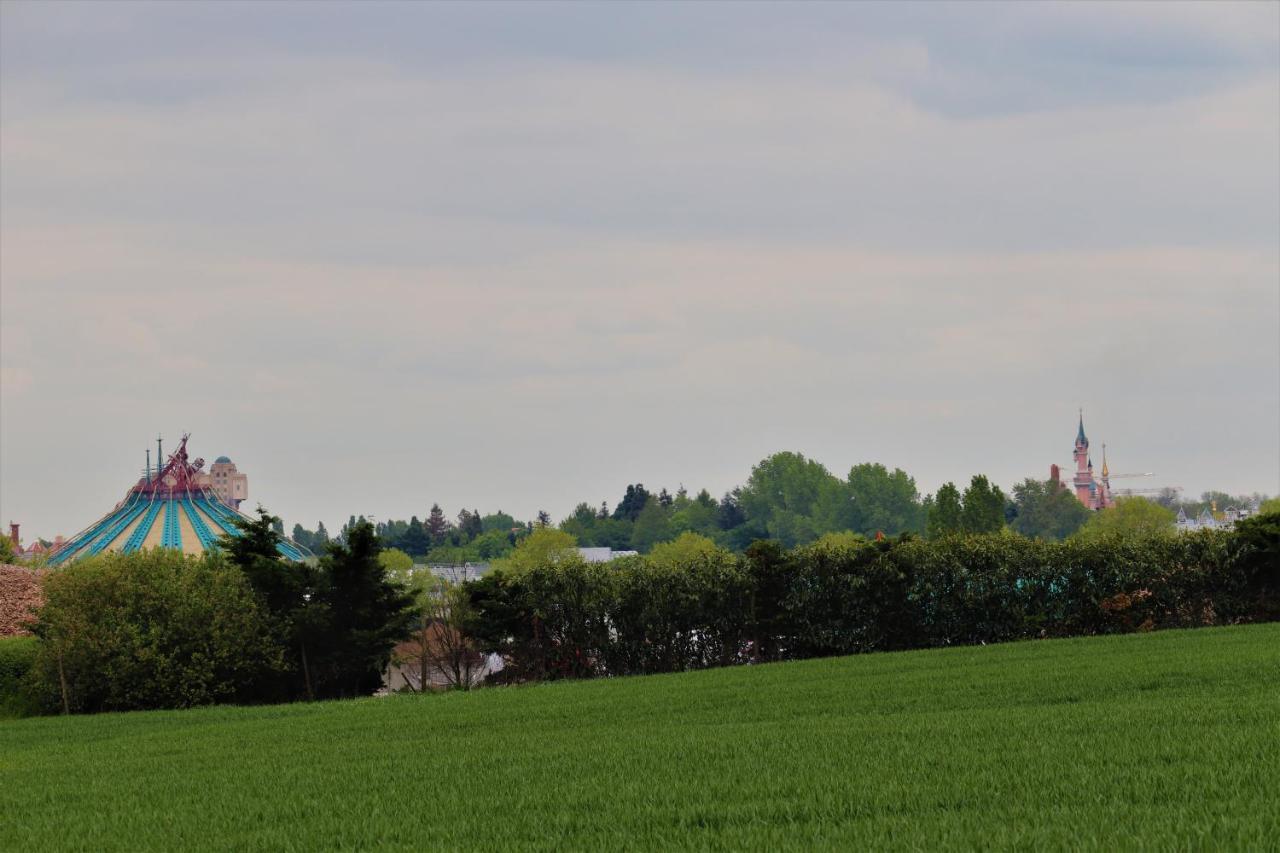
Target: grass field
{"points": [[1159, 741]]}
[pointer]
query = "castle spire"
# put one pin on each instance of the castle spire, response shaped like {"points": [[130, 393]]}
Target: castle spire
{"points": [[1080, 436], [1104, 460]]}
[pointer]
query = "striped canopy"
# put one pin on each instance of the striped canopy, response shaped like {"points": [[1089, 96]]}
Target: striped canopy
{"points": [[167, 508]]}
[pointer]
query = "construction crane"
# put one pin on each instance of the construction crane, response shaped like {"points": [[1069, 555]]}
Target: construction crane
{"points": [[1129, 492]]}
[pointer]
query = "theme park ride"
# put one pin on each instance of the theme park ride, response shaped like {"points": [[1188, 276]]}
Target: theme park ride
{"points": [[171, 506]]}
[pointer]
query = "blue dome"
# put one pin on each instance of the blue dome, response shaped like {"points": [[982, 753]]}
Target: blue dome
{"points": [[223, 459]]}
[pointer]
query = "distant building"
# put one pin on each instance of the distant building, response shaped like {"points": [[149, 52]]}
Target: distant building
{"points": [[1093, 493], [176, 504], [603, 555], [231, 486], [35, 549], [1210, 519]]}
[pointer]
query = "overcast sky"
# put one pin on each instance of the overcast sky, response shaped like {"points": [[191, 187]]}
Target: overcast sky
{"points": [[517, 256]]}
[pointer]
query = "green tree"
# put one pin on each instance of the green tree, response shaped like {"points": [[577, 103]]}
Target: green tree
{"points": [[1269, 506], [1047, 510], [882, 501], [303, 537], [151, 629], [492, 545], [500, 521], [437, 525], [415, 542], [684, 549], [728, 512], [632, 503], [794, 498], [984, 504], [366, 614], [1132, 516], [397, 564], [944, 512], [652, 526], [697, 514], [470, 524], [581, 523], [544, 546], [1256, 550], [285, 590]]}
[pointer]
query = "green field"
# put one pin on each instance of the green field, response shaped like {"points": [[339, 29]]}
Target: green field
{"points": [[1158, 741]]}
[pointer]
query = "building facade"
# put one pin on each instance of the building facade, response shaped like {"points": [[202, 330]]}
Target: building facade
{"points": [[1210, 519], [231, 486]]}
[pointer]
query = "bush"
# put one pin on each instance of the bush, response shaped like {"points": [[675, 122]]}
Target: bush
{"points": [[17, 654], [152, 629], [693, 605]]}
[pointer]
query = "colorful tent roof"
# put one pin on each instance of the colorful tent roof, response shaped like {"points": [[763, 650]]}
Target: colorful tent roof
{"points": [[168, 508]]}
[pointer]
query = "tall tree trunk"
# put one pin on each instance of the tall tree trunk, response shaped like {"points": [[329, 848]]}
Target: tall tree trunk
{"points": [[306, 672], [62, 681]]}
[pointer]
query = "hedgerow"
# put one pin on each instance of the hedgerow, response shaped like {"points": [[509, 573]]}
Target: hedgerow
{"points": [[705, 607]]}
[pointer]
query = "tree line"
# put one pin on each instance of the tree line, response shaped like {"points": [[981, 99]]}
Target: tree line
{"points": [[691, 604], [241, 624], [788, 498]]}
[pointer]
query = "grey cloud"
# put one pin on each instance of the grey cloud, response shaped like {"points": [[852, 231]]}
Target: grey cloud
{"points": [[515, 258]]}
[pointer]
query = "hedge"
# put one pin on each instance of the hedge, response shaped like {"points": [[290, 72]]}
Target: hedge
{"points": [[17, 654], [565, 618]]}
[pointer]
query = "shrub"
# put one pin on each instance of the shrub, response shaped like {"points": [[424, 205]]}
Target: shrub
{"points": [[691, 604], [17, 654], [153, 629]]}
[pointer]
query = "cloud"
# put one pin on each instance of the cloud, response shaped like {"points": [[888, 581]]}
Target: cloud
{"points": [[527, 268]]}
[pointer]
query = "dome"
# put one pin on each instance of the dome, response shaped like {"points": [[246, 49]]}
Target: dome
{"points": [[226, 459], [167, 508]]}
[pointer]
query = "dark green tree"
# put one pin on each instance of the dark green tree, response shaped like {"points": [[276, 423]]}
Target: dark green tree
{"points": [[498, 521], [652, 526], [883, 502], [984, 505], [1047, 510], [151, 629], [470, 524], [365, 614], [303, 537], [437, 525], [415, 541], [944, 513], [728, 513], [285, 590], [795, 499], [632, 503]]}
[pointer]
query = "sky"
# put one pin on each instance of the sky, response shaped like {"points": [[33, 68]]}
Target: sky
{"points": [[516, 256]]}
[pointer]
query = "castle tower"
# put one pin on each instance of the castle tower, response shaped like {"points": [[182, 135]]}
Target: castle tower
{"points": [[1104, 493], [1083, 480]]}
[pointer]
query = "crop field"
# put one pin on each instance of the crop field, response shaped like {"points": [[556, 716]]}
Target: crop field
{"points": [[1158, 741]]}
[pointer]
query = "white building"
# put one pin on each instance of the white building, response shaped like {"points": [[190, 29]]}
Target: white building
{"points": [[603, 555]]}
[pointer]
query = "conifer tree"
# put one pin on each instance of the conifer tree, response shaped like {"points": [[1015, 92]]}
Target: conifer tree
{"points": [[437, 525]]}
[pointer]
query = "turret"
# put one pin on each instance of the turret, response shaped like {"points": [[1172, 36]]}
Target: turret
{"points": [[1083, 480]]}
